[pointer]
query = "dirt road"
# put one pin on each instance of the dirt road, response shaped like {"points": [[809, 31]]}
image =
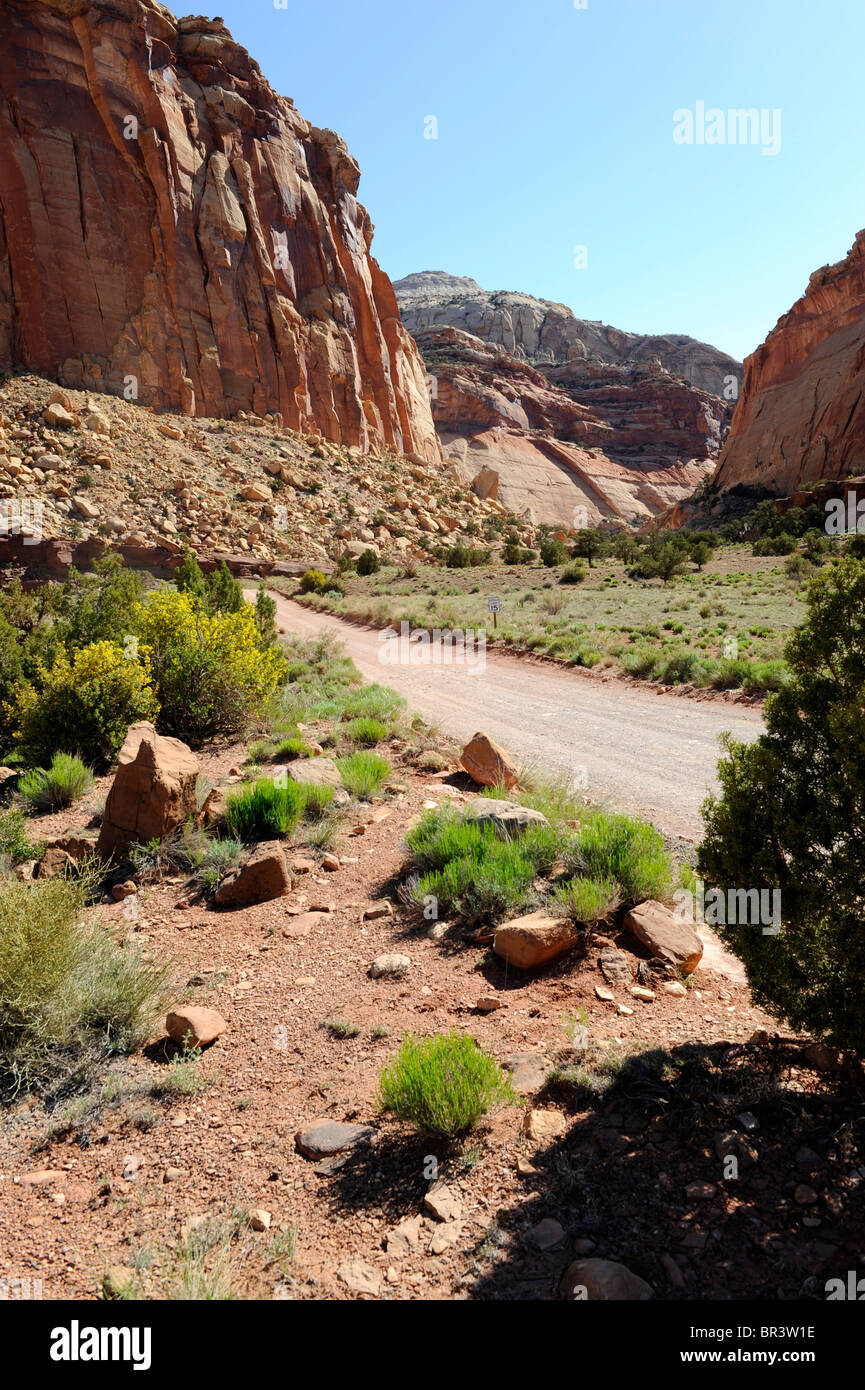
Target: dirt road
{"points": [[653, 754]]}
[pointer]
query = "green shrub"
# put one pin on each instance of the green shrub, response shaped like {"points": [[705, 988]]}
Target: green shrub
{"points": [[264, 810], [442, 1085], [587, 900], [15, 844], [363, 774], [313, 582], [67, 989], [624, 849], [97, 692], [782, 544], [287, 749], [210, 670], [552, 552], [65, 781], [790, 817], [475, 872], [220, 857], [573, 574], [366, 732], [368, 563]]}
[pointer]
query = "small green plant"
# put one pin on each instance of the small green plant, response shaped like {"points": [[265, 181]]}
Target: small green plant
{"points": [[287, 749], [16, 846], [363, 774], [65, 781], [365, 731], [586, 900], [442, 1085], [264, 810], [628, 851], [573, 574], [341, 1028], [220, 857], [182, 1077]]}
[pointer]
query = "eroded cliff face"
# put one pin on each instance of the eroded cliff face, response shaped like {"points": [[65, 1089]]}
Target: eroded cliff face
{"points": [[544, 333], [170, 227], [801, 414], [621, 443]]}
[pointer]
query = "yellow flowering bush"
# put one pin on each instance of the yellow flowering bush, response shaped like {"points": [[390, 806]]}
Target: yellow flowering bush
{"points": [[209, 668], [83, 704]]}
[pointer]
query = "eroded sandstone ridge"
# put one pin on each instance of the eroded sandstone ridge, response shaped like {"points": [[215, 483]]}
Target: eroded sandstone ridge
{"points": [[170, 226], [801, 415], [564, 418]]}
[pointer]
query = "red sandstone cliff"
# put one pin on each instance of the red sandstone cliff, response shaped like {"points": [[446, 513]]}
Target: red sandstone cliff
{"points": [[801, 414], [169, 224]]}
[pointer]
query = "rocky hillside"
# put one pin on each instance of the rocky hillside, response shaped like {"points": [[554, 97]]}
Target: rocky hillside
{"points": [[79, 472], [801, 414], [559, 418], [172, 230], [547, 333]]}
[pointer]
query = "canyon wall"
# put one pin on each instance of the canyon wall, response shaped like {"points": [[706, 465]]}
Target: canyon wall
{"points": [[173, 230]]}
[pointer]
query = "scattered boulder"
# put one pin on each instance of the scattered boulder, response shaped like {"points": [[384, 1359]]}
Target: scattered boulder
{"points": [[391, 964], [322, 772], [504, 815], [532, 940], [57, 416], [261, 878], [197, 1025], [605, 1281], [488, 764], [324, 1137], [665, 935], [547, 1234], [486, 484], [380, 908], [441, 1203], [153, 790]]}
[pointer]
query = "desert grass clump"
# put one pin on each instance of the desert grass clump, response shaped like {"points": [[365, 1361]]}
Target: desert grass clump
{"points": [[586, 900], [624, 849], [220, 857], [475, 871], [364, 731], [264, 810], [67, 989], [65, 781], [442, 1085], [363, 773]]}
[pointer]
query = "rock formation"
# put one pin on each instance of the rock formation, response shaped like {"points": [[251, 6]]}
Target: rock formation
{"points": [[546, 333], [153, 790], [619, 442], [801, 414], [172, 229]]}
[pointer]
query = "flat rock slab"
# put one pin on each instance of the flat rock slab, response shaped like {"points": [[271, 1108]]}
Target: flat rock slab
{"points": [[303, 923], [666, 935], [325, 1137], [321, 772], [615, 966], [505, 815], [529, 1071]]}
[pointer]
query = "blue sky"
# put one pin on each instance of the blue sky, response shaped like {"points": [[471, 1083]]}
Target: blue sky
{"points": [[555, 130]]}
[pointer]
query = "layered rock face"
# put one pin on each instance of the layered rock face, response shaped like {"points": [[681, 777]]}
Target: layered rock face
{"points": [[172, 229], [801, 414], [619, 443], [546, 333]]}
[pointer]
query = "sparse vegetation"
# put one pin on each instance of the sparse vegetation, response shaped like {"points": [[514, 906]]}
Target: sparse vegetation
{"points": [[443, 1085]]}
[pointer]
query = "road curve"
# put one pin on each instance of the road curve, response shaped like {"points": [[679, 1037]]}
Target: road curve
{"points": [[638, 751]]}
